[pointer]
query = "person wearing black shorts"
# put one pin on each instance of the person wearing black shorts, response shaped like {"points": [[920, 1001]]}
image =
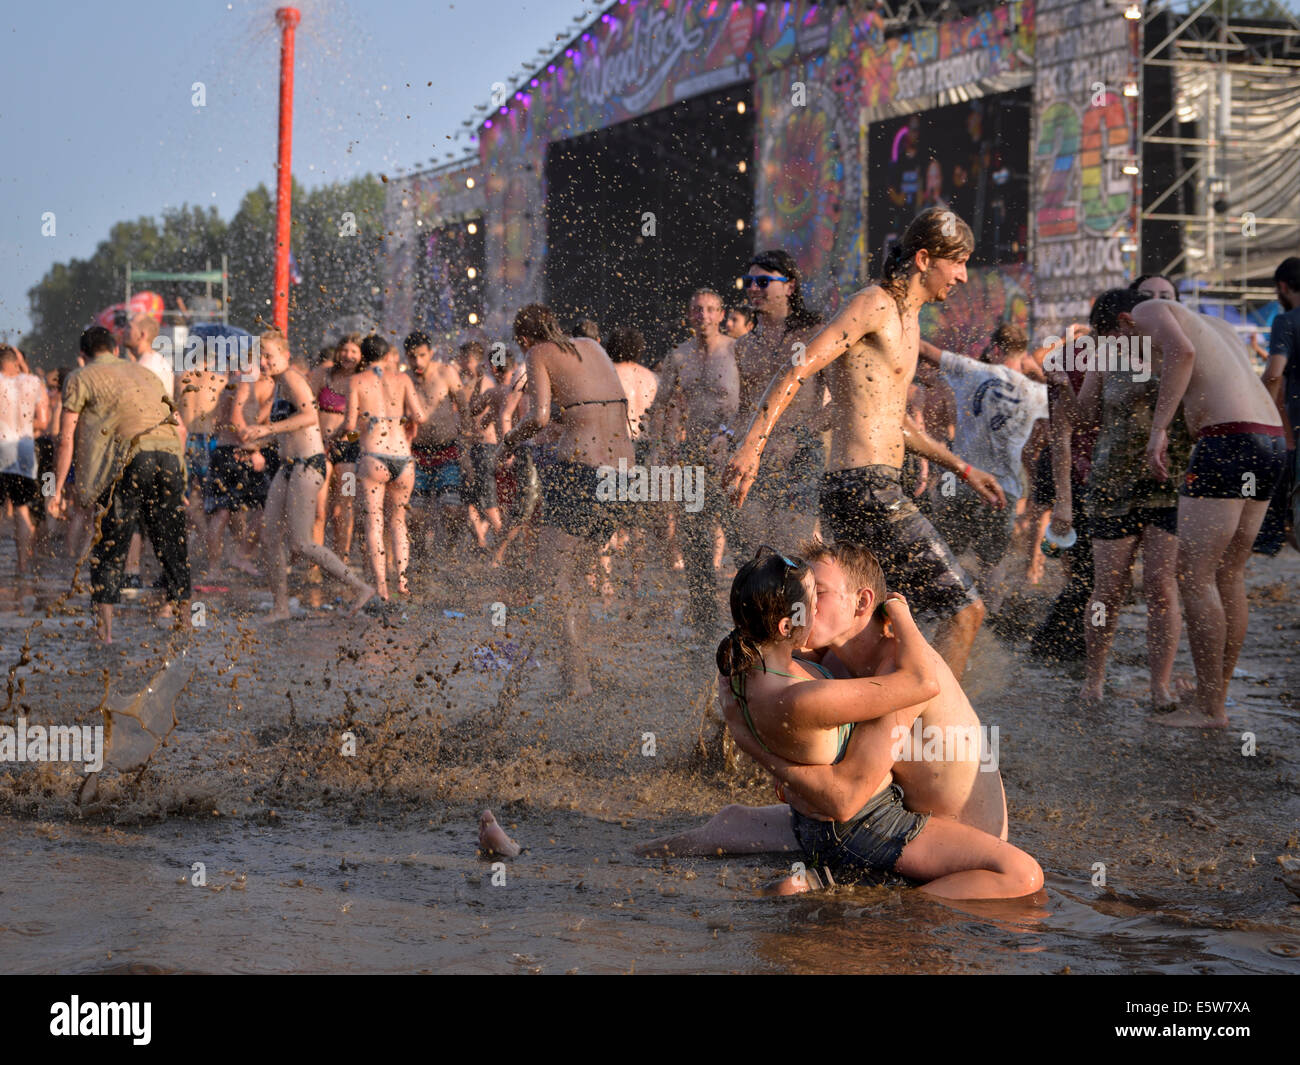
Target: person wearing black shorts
{"points": [[572, 386], [875, 336], [868, 506]]}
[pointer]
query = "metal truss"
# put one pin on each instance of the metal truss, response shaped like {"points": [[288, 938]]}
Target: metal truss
{"points": [[1209, 44]]}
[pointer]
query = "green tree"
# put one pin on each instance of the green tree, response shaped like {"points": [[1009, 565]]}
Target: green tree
{"points": [[340, 267], [71, 294]]}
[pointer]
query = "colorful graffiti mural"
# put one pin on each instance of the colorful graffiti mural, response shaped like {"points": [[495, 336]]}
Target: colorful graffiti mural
{"points": [[928, 60], [809, 157], [1085, 206], [809, 185], [638, 57], [964, 322]]}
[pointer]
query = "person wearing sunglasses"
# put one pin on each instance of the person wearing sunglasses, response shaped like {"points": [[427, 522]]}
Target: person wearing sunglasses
{"points": [[862, 497], [785, 494]]}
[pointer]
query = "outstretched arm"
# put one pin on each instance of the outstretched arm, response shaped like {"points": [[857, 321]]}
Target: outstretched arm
{"points": [[984, 483], [1177, 363], [866, 313]]}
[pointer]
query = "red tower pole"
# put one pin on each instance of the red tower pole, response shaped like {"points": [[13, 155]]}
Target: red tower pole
{"points": [[288, 18]]}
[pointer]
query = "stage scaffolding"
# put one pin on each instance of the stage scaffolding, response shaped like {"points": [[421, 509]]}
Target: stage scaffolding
{"points": [[1232, 127]]}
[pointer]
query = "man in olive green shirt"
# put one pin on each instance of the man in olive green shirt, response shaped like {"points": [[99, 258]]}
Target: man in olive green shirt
{"points": [[129, 460]]}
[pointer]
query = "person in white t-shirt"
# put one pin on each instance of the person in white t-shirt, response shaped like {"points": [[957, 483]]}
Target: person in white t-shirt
{"points": [[24, 412], [140, 335], [997, 407]]}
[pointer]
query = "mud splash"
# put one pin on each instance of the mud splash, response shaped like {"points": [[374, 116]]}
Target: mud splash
{"points": [[328, 776]]}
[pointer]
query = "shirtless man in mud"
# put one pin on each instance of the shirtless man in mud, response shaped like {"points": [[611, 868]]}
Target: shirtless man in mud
{"points": [[785, 496], [862, 500], [849, 634], [433, 443], [198, 394], [1235, 466], [700, 394]]}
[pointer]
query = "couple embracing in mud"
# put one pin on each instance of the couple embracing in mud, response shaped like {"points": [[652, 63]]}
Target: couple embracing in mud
{"points": [[834, 726]]}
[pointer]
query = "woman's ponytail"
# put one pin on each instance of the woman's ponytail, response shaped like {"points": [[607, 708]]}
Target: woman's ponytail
{"points": [[737, 653]]}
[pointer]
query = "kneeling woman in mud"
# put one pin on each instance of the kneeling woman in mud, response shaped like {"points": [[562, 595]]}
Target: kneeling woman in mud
{"points": [[794, 710], [291, 503]]}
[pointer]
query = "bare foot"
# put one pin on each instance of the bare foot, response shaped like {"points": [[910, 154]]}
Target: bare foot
{"points": [[1166, 700], [276, 616], [1092, 697], [798, 883], [358, 604], [245, 566], [795, 884], [492, 838], [1192, 719]]}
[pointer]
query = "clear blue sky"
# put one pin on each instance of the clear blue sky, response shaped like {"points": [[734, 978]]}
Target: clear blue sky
{"points": [[97, 124]]}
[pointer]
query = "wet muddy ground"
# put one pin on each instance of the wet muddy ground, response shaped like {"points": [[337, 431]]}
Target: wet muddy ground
{"points": [[317, 860]]}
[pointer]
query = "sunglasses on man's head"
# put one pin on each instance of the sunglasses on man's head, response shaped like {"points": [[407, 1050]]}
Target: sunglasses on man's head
{"points": [[761, 280]]}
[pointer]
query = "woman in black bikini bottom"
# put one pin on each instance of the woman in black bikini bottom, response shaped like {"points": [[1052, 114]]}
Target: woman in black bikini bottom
{"points": [[291, 503], [577, 519]]}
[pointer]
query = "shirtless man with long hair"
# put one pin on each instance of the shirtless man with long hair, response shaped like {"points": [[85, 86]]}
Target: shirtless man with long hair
{"points": [[871, 348]]}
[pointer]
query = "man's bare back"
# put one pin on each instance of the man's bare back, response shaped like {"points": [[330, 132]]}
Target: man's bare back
{"points": [[641, 386], [198, 394], [1224, 386], [955, 786]]}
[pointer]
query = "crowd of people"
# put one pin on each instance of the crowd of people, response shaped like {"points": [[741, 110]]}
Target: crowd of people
{"points": [[873, 460]]}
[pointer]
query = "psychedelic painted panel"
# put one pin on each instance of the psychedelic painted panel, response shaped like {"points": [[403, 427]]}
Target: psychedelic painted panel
{"points": [[1085, 131]]}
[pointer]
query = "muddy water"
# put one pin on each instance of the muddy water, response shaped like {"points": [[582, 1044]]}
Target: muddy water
{"points": [[319, 861]]}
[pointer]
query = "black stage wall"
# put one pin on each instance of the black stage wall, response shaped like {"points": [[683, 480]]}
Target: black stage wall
{"points": [[683, 165], [449, 279]]}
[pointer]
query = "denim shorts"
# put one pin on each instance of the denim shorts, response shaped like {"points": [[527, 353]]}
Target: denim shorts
{"points": [[866, 849]]}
